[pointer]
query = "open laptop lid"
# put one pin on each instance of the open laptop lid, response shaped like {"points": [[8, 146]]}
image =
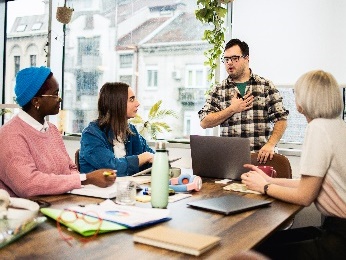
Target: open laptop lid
{"points": [[219, 157], [229, 204]]}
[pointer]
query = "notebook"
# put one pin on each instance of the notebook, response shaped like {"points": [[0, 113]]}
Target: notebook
{"points": [[177, 240], [219, 157], [229, 204]]}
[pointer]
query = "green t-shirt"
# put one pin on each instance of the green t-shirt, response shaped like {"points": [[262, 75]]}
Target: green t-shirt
{"points": [[241, 87]]}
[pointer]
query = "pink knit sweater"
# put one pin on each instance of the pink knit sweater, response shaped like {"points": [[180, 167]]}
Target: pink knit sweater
{"points": [[34, 163]]}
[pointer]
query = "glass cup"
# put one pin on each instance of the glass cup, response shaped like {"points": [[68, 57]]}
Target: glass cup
{"points": [[126, 193]]}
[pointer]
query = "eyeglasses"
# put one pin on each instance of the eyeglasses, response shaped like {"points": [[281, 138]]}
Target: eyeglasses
{"points": [[67, 217], [53, 96], [234, 59]]}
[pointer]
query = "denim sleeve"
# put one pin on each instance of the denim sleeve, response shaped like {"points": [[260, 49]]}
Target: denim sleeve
{"points": [[97, 153]]}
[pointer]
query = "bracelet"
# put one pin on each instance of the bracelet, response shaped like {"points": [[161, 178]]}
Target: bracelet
{"points": [[265, 188]]}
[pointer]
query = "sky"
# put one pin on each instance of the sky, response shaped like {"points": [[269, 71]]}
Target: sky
{"points": [[23, 8]]}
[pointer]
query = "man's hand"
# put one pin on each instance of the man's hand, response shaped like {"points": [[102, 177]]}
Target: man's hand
{"points": [[101, 178], [242, 104], [266, 152]]}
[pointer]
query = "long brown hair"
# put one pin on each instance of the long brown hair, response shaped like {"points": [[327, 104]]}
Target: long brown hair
{"points": [[112, 108]]}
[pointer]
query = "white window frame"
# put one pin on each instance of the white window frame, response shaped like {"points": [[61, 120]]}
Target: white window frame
{"points": [[194, 68], [152, 85]]}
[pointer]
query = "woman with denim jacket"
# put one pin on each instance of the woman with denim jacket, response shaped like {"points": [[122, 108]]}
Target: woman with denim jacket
{"points": [[110, 141]]}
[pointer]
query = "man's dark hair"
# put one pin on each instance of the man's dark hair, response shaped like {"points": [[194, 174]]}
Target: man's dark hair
{"points": [[242, 45]]}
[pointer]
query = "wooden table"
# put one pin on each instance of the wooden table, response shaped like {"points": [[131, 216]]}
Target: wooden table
{"points": [[238, 232]]}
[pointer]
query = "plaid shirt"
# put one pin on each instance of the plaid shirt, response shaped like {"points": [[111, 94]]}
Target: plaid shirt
{"points": [[255, 123]]}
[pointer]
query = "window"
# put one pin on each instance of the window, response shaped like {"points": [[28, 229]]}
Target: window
{"points": [[33, 60], [158, 50], [88, 50], [36, 26], [21, 28], [152, 77], [126, 79], [16, 64], [126, 60], [296, 122], [196, 77]]}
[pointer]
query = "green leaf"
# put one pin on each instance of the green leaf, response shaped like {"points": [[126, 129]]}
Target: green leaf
{"points": [[154, 109]]}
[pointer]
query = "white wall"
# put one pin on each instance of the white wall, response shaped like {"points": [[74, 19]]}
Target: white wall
{"points": [[289, 38]]}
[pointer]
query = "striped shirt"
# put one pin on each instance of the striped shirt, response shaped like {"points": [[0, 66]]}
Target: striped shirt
{"points": [[255, 123]]}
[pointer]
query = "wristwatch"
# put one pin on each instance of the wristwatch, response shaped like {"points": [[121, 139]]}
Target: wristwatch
{"points": [[265, 188]]}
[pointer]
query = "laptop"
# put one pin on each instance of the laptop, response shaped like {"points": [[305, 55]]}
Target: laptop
{"points": [[219, 157], [229, 204]]}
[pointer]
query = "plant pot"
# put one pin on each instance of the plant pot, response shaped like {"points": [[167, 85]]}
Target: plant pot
{"points": [[225, 1], [64, 14]]}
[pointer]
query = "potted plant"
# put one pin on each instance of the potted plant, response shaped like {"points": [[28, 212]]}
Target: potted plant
{"points": [[150, 127], [212, 12], [3, 111]]}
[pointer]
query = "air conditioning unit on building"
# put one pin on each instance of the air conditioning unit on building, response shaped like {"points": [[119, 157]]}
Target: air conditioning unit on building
{"points": [[176, 74]]}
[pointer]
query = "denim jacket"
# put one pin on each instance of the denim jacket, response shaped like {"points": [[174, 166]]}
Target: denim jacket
{"points": [[97, 152]]}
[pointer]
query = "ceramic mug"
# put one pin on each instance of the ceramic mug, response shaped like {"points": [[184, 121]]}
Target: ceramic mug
{"points": [[269, 170]]}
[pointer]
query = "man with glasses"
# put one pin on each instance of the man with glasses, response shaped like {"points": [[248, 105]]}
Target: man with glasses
{"points": [[245, 104]]}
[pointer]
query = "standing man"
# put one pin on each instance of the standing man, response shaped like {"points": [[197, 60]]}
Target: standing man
{"points": [[245, 104]]}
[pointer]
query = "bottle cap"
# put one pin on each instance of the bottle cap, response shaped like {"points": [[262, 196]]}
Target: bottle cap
{"points": [[161, 145]]}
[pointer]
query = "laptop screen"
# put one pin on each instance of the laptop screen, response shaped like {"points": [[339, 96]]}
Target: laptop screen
{"points": [[219, 157]]}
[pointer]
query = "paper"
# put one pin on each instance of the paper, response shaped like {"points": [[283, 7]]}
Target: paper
{"points": [[177, 240], [109, 192], [129, 216], [239, 187]]}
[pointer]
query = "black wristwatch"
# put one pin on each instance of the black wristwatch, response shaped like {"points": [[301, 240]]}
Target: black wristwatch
{"points": [[265, 188]]}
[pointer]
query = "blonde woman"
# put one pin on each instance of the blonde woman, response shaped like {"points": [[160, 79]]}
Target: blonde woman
{"points": [[323, 175]]}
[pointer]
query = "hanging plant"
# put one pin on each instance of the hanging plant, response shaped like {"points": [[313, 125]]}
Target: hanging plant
{"points": [[212, 12]]}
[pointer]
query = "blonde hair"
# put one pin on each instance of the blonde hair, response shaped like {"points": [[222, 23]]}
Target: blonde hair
{"points": [[319, 95]]}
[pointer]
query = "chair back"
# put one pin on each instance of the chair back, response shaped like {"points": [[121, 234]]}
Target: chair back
{"points": [[76, 159], [280, 163]]}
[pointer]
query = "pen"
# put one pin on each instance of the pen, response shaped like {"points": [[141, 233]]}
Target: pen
{"points": [[105, 173]]}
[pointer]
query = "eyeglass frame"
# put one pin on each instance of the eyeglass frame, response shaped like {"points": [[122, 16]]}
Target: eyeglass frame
{"points": [[54, 96], [81, 216], [234, 58]]}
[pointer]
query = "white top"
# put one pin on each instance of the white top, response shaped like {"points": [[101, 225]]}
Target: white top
{"points": [[119, 149], [324, 155]]}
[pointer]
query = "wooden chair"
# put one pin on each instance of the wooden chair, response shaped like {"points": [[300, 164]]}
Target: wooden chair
{"points": [[283, 169], [76, 159], [280, 163]]}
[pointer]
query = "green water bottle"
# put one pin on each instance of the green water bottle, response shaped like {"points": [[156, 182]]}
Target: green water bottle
{"points": [[160, 176]]}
